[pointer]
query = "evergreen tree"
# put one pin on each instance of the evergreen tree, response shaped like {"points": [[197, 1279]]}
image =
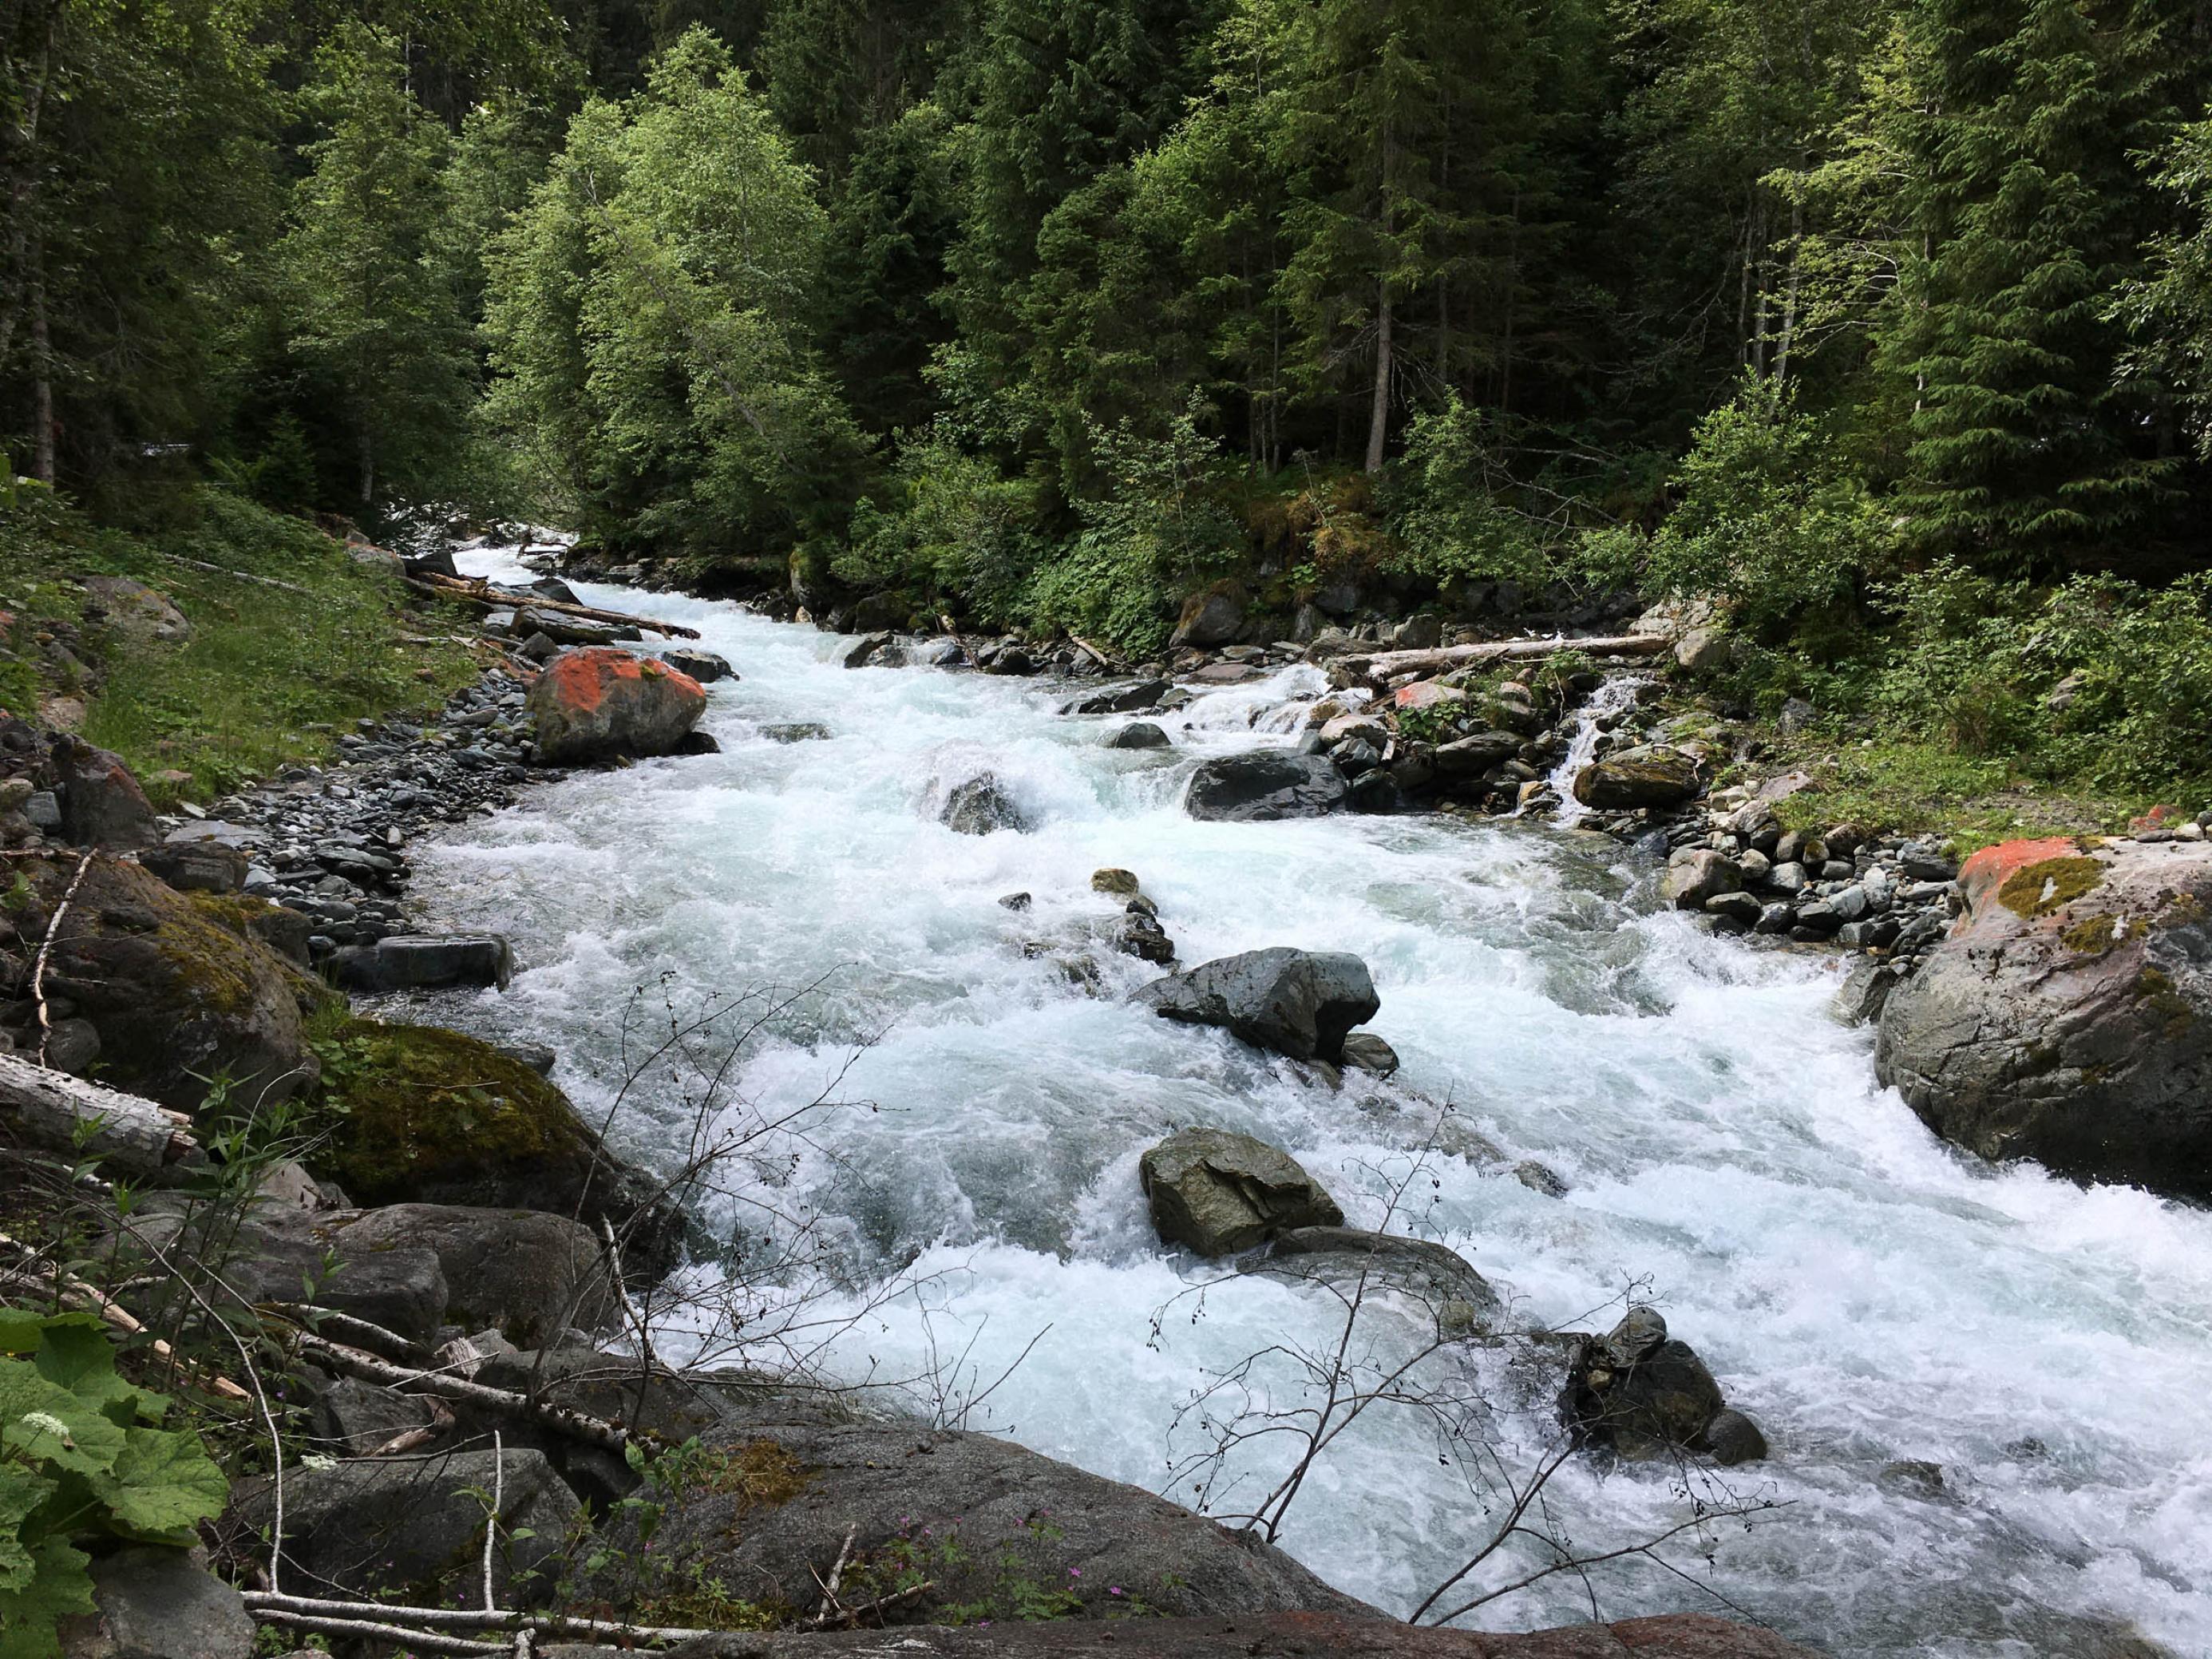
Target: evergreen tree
{"points": [[372, 312], [2027, 196]]}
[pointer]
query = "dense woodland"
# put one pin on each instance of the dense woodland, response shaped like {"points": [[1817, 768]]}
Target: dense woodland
{"points": [[1889, 325]]}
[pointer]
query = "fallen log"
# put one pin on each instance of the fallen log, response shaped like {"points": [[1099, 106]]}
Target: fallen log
{"points": [[1386, 665], [474, 590], [64, 1114], [368, 1368]]}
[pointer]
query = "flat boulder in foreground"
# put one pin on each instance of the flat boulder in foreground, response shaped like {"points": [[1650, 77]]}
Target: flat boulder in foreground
{"points": [[2067, 1018], [598, 703], [1219, 1191]]}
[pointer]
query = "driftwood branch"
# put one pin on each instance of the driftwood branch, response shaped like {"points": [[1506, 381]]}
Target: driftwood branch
{"points": [[45, 952], [72, 1290], [473, 590], [368, 1368], [1386, 665], [243, 576], [297, 1609], [65, 1114]]}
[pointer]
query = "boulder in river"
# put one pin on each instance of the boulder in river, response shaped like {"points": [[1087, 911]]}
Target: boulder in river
{"points": [[1219, 1193], [421, 961], [597, 703], [1698, 873], [1118, 699], [1268, 784], [1299, 1003], [704, 666], [1139, 734], [980, 805], [2067, 1018], [1644, 1394], [1648, 776], [1352, 1259]]}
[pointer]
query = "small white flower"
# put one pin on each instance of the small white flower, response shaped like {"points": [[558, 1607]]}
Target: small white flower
{"points": [[51, 1424]]}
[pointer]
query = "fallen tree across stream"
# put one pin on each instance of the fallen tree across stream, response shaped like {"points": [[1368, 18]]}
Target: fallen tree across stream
{"points": [[475, 590], [1384, 666]]}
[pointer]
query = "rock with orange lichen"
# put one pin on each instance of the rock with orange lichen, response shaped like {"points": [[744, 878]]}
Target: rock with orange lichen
{"points": [[2067, 1018], [600, 704]]}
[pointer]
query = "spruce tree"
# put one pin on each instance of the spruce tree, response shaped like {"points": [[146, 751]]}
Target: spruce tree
{"points": [[2025, 452]]}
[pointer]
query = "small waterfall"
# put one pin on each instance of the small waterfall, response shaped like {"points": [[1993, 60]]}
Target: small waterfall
{"points": [[1615, 697]]}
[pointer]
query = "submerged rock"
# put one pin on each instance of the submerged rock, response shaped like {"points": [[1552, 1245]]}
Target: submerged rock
{"points": [[796, 732], [1139, 734], [1118, 699], [2067, 1018], [704, 666], [1269, 784], [1299, 1003], [1347, 1258], [1217, 1192], [1643, 1393]]}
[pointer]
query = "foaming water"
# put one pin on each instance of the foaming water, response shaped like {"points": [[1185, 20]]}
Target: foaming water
{"points": [[1866, 1294]]}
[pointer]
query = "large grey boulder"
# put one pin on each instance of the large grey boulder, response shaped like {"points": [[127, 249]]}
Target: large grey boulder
{"points": [[1118, 699], [970, 1505], [155, 1604], [1299, 1003], [102, 804], [1219, 1193], [415, 1525], [1214, 617], [1645, 1395], [1266, 785], [2067, 1017]]}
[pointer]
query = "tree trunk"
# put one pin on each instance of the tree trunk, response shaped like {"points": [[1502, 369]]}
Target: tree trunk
{"points": [[67, 1115], [1790, 293], [368, 467], [1379, 419], [42, 368]]}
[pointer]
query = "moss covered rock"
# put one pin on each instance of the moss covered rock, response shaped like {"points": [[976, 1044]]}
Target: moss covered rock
{"points": [[182, 987], [2069, 1016], [424, 1113]]}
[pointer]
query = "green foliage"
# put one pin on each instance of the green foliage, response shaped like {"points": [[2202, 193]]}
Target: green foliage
{"points": [[1768, 522], [1452, 512], [959, 532], [648, 319], [82, 1458], [1161, 531]]}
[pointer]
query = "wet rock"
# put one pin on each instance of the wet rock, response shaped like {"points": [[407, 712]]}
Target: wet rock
{"points": [[2067, 1017], [1638, 1391], [1859, 1000], [795, 731], [1298, 1003], [980, 807], [1139, 734], [1731, 1438], [153, 1603], [1348, 1257], [1266, 784], [1375, 791], [704, 666], [1123, 881], [418, 962], [596, 704], [1644, 776], [1118, 699], [416, 1524], [1739, 908], [1471, 757], [1369, 1053], [1140, 935], [1915, 1477], [1218, 1193], [1015, 902], [1540, 1178], [863, 651]]}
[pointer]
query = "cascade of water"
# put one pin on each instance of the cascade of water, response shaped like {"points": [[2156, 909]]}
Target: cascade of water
{"points": [[1867, 1294], [1614, 696]]}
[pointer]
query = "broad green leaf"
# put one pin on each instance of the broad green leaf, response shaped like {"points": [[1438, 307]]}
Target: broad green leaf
{"points": [[59, 1586], [44, 1423], [162, 1484], [20, 1493], [20, 1332], [76, 1355]]}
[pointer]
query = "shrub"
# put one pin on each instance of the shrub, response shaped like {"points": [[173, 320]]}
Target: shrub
{"points": [[1450, 508], [82, 1458]]}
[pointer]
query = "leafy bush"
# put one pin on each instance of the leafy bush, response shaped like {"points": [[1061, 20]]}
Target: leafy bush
{"points": [[1450, 511], [82, 1458], [1160, 532], [959, 528], [1768, 522]]}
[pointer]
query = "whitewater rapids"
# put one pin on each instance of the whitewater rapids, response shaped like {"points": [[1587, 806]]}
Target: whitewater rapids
{"points": [[1867, 1295]]}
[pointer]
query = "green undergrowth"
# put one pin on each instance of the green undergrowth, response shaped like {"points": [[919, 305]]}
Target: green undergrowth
{"points": [[270, 675]]}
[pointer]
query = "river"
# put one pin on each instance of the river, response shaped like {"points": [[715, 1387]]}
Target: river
{"points": [[1867, 1295]]}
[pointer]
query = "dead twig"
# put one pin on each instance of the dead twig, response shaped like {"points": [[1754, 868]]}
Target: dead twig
{"points": [[46, 952]]}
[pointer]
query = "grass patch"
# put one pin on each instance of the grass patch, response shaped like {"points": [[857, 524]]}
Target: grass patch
{"points": [[270, 677], [1927, 789]]}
